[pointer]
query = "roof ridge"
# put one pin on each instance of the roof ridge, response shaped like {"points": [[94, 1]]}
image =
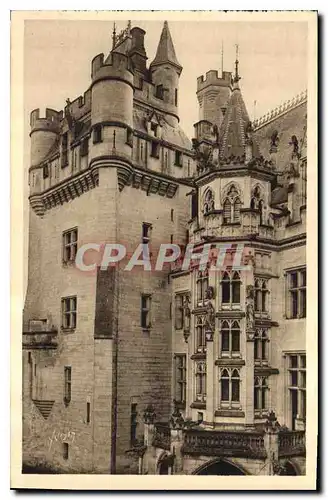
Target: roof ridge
{"points": [[280, 110]]}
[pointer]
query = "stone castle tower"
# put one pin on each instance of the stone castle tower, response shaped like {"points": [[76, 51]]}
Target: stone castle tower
{"points": [[100, 346]]}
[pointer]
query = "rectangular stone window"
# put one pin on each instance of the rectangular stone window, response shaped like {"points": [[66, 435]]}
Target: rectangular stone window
{"points": [[129, 137], [97, 134], [69, 313], [297, 387], [146, 311], [64, 144], [84, 148], [154, 150], [296, 294], [200, 376], [180, 378], [70, 245], [88, 413], [65, 451], [67, 384], [146, 232], [159, 92], [46, 171], [133, 424], [178, 158]]}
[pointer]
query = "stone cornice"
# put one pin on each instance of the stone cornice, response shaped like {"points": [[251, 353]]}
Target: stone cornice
{"points": [[64, 191], [235, 171]]}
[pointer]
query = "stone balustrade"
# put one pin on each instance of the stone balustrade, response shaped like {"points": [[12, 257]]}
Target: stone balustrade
{"points": [[162, 436], [224, 443], [291, 443]]}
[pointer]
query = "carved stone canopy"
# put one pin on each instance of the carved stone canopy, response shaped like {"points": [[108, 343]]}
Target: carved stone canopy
{"points": [[272, 424], [177, 420], [149, 415]]}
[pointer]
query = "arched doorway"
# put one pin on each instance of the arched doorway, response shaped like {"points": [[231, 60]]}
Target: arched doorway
{"points": [[220, 468], [289, 470], [163, 468]]}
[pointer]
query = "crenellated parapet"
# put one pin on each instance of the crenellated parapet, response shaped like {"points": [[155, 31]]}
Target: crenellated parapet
{"points": [[280, 110], [50, 122], [212, 78], [117, 66], [44, 133]]}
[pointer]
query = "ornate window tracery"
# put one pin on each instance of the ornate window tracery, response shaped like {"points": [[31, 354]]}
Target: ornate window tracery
{"points": [[209, 201], [230, 338], [231, 206], [230, 288], [229, 388]]}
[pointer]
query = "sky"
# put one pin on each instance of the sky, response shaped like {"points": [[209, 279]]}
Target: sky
{"points": [[273, 59], [58, 54]]}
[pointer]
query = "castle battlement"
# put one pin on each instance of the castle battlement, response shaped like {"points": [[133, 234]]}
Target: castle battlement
{"points": [[51, 120], [212, 78], [280, 110], [116, 65]]}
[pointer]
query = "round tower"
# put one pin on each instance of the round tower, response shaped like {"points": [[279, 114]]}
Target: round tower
{"points": [[112, 106], [165, 73], [44, 133]]}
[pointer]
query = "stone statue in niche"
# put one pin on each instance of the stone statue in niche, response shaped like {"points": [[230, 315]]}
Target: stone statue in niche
{"points": [[215, 134], [294, 143], [187, 313], [274, 139], [210, 318], [250, 320], [209, 293]]}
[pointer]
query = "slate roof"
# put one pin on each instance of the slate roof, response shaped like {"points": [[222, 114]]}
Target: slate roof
{"points": [[165, 50]]}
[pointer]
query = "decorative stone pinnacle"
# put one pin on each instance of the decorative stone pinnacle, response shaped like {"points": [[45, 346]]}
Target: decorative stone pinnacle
{"points": [[149, 415]]}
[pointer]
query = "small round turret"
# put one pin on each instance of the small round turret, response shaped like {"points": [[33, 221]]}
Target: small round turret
{"points": [[112, 104], [44, 133]]}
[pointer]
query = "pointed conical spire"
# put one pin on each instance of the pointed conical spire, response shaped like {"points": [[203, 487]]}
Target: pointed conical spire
{"points": [[165, 50], [236, 131]]}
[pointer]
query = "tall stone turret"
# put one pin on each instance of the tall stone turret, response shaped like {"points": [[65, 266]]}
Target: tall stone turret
{"points": [[44, 133], [165, 71], [112, 106]]}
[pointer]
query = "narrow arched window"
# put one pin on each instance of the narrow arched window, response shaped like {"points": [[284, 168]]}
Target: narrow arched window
{"points": [[260, 393], [235, 288], [225, 337], [235, 337], [235, 386], [261, 211], [225, 284], [236, 210], [225, 383], [227, 211]]}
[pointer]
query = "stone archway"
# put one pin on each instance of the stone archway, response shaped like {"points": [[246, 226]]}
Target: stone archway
{"points": [[289, 469], [220, 468]]}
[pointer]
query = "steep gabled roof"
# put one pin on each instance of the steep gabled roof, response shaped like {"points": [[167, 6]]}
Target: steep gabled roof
{"points": [[235, 127], [165, 50]]}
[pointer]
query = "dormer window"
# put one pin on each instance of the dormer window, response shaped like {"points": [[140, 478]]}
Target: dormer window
{"points": [[154, 128], [159, 92], [154, 151], [178, 158], [84, 148]]}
